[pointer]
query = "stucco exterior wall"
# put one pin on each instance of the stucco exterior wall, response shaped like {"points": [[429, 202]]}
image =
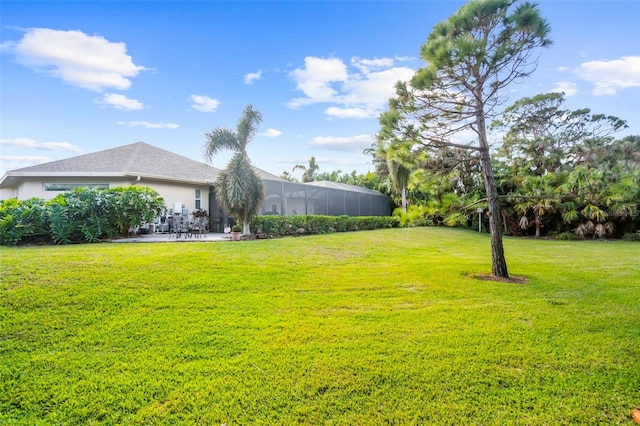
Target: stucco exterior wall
{"points": [[30, 188], [182, 193]]}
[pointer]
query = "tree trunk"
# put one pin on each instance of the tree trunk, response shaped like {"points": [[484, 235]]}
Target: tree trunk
{"points": [[245, 224], [404, 198], [538, 221], [498, 261]]}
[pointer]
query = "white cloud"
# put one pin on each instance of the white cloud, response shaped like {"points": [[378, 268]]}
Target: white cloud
{"points": [[610, 77], [376, 88], [271, 133], [567, 87], [31, 159], [41, 146], [121, 102], [348, 144], [366, 65], [249, 78], [563, 69], [329, 163], [79, 59], [148, 125], [350, 112], [315, 80], [204, 103], [359, 91], [11, 162]]}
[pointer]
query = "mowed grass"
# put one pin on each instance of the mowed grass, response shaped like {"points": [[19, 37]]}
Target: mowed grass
{"points": [[379, 327]]}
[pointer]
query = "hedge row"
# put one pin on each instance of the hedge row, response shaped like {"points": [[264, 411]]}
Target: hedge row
{"points": [[81, 215], [279, 226]]}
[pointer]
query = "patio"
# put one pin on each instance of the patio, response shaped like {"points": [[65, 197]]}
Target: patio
{"points": [[157, 237]]}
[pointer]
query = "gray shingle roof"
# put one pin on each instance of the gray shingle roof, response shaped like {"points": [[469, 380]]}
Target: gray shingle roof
{"points": [[343, 186], [137, 159]]}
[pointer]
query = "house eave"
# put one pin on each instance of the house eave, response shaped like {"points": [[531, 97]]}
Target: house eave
{"points": [[203, 182], [13, 179]]}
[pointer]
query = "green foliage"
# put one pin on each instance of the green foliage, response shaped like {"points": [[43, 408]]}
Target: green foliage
{"points": [[81, 215], [366, 328], [280, 226], [417, 215], [631, 236], [21, 219], [567, 236], [310, 172], [130, 207], [60, 222], [238, 187], [471, 58]]}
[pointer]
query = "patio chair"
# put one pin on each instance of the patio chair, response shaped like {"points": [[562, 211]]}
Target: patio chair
{"points": [[179, 227], [199, 227]]}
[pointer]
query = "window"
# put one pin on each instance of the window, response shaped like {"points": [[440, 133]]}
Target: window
{"points": [[71, 186], [198, 200]]}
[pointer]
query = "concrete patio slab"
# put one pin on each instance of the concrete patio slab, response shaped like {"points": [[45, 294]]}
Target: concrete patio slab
{"points": [[171, 238]]}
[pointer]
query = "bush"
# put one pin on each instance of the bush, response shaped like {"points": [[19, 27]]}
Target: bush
{"points": [[280, 226], [21, 220], [567, 236], [631, 236], [81, 215]]}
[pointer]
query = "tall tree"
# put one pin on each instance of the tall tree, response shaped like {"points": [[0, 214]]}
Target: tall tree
{"points": [[238, 187], [542, 136], [471, 58]]}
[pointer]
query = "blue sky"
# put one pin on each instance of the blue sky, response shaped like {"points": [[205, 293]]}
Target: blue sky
{"points": [[79, 77]]}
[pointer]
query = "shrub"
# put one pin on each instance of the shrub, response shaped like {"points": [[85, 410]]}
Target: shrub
{"points": [[631, 236], [21, 220], [567, 236], [280, 226], [81, 215]]}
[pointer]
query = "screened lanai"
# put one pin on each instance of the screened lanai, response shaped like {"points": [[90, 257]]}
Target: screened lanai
{"points": [[284, 198]]}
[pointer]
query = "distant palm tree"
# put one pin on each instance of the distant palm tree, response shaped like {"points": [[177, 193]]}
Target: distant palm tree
{"points": [[399, 174], [310, 171], [238, 187], [537, 200]]}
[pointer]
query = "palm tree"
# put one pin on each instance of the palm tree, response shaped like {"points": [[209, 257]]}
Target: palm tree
{"points": [[238, 187], [399, 175], [536, 198], [310, 171]]}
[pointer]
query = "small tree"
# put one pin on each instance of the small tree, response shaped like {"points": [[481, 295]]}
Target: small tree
{"points": [[238, 187]]}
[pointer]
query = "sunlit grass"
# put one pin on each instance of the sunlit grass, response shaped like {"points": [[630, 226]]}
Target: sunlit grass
{"points": [[370, 327]]}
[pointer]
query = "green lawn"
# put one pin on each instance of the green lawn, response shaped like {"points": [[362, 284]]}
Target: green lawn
{"points": [[358, 328]]}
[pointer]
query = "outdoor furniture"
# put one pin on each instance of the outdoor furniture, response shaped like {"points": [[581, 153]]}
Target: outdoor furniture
{"points": [[162, 225], [199, 227], [179, 227]]}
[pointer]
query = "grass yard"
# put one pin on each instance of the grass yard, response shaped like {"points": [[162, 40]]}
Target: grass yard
{"points": [[378, 327]]}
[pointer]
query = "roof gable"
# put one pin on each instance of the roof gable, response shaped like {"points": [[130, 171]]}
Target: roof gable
{"points": [[133, 159], [136, 159]]}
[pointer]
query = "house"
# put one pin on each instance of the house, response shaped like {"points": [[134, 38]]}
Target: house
{"points": [[185, 184]]}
